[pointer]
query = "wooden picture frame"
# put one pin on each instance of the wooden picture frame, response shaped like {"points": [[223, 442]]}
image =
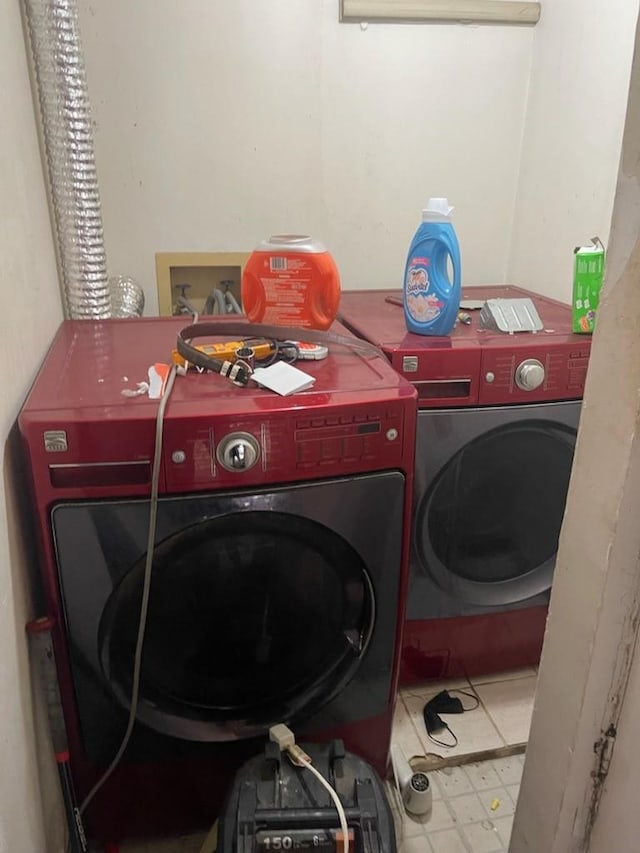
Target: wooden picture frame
{"points": [[201, 271]]}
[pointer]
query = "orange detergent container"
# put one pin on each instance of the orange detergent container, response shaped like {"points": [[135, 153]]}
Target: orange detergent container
{"points": [[291, 280]]}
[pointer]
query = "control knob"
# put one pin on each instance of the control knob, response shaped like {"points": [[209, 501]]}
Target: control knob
{"points": [[530, 374], [238, 451]]}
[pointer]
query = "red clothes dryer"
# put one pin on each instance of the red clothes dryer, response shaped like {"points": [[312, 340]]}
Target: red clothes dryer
{"points": [[279, 570], [497, 422]]}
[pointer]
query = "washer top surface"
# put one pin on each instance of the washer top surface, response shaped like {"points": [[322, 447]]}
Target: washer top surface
{"points": [[377, 316], [90, 363]]}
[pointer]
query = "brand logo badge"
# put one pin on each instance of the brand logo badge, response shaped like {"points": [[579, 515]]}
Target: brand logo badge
{"points": [[55, 441]]}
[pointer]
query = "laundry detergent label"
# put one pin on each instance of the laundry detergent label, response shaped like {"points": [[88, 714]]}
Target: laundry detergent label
{"points": [[422, 303], [286, 282]]}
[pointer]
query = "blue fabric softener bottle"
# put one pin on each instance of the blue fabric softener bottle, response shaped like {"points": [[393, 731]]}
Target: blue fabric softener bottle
{"points": [[431, 300]]}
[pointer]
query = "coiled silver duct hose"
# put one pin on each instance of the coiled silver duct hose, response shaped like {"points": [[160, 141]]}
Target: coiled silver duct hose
{"points": [[68, 140]]}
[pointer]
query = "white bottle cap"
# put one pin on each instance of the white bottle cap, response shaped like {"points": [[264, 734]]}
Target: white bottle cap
{"points": [[438, 209]]}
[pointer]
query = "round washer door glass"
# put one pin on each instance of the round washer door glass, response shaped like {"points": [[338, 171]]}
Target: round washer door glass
{"points": [[488, 526], [254, 618]]}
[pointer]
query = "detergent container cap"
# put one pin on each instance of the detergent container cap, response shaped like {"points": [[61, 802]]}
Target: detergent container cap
{"points": [[438, 210], [292, 243]]}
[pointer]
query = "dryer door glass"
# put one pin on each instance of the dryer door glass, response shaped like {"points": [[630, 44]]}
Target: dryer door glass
{"points": [[254, 618], [489, 525]]}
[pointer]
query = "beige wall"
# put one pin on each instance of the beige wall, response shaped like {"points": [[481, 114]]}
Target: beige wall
{"points": [[572, 136], [30, 819], [204, 142], [218, 124]]}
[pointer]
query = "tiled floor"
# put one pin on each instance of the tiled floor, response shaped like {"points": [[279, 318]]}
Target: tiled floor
{"points": [[502, 718], [474, 802], [473, 808]]}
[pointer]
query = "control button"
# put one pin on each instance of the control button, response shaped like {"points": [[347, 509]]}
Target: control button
{"points": [[303, 424], [178, 456], [331, 448], [489, 377], [392, 434], [352, 447], [529, 374], [238, 451], [317, 422]]}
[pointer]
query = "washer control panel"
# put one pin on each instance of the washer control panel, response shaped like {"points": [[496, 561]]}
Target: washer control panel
{"points": [[520, 373]]}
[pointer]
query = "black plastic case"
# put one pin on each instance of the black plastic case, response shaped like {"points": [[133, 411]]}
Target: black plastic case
{"points": [[275, 806]]}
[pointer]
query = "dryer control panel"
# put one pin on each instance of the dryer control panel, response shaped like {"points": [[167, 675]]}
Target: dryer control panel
{"points": [[286, 446]]}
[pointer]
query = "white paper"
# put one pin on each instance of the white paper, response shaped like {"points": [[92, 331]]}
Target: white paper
{"points": [[283, 378]]}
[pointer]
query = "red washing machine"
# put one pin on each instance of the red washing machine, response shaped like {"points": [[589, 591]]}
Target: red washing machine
{"points": [[497, 422], [279, 570]]}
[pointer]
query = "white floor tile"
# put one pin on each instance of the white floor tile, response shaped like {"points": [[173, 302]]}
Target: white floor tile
{"points": [[474, 730], [404, 732], [452, 781], [436, 790], [417, 845], [513, 791], [412, 826], [482, 776], [497, 802], [430, 688], [510, 705], [448, 841], [467, 809], [504, 825], [440, 818], [508, 675], [509, 769], [482, 837]]}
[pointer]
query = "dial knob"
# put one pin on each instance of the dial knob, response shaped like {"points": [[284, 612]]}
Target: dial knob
{"points": [[530, 374], [238, 452]]}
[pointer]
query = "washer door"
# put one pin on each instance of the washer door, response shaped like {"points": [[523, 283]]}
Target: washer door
{"points": [[254, 618], [487, 526]]}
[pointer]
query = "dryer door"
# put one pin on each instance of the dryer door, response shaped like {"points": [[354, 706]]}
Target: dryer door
{"points": [[488, 520], [253, 617], [269, 606]]}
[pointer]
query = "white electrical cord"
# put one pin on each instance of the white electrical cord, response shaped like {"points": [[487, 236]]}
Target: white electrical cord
{"points": [[285, 739], [332, 793], [146, 588]]}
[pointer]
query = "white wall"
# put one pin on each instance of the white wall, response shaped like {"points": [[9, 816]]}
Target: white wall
{"points": [[573, 133], [30, 817], [218, 124]]}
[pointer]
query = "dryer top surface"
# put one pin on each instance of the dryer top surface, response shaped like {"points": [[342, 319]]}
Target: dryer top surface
{"points": [[90, 363]]}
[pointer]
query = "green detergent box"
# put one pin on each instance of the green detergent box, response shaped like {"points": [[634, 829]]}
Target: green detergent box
{"points": [[588, 273]]}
